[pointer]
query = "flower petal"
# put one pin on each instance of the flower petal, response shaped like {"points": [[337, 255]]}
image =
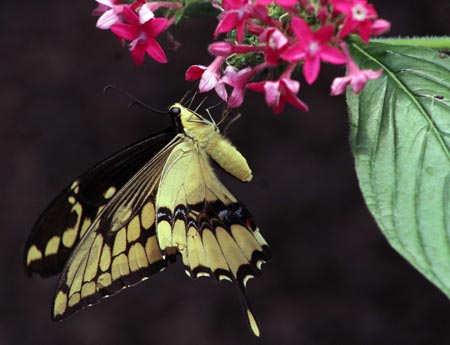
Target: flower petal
{"points": [[194, 72], [138, 54], [145, 14], [107, 19], [130, 16], [333, 55], [125, 31], [227, 23], [324, 34], [339, 85], [301, 29], [221, 90], [155, 26], [311, 68], [155, 51], [294, 53]]}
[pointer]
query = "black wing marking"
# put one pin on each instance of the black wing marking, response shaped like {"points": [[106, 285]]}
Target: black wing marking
{"points": [[65, 221]]}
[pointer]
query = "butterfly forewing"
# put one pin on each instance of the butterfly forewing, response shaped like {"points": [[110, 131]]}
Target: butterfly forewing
{"points": [[120, 248], [65, 221]]}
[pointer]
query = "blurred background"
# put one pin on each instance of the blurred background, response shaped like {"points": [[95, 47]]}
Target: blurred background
{"points": [[334, 279]]}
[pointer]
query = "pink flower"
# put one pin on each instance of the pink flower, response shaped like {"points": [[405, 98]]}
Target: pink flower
{"points": [[109, 12], [142, 36], [235, 16], [209, 77], [276, 43], [359, 16], [312, 47], [279, 92], [355, 76], [237, 80]]}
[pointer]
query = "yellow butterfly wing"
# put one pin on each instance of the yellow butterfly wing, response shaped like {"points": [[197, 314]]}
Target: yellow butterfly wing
{"points": [[200, 219]]}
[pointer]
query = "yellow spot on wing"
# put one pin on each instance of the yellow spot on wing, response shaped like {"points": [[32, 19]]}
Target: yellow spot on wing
{"points": [[148, 215], [94, 257], [152, 250], [110, 192], [60, 304], [120, 267], [245, 240], [134, 229], [213, 251], [120, 243], [88, 289], [34, 254], [52, 246], [231, 251], [164, 234], [104, 280], [137, 257], [74, 299], [179, 235], [105, 259], [70, 234]]}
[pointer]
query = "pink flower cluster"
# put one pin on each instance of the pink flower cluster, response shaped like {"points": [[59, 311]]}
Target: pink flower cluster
{"points": [[303, 32], [268, 39], [136, 23]]}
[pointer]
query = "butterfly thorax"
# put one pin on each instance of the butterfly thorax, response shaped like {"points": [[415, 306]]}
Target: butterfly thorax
{"points": [[207, 137]]}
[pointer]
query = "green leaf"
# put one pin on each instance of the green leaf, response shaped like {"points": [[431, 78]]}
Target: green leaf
{"points": [[197, 8], [400, 137]]}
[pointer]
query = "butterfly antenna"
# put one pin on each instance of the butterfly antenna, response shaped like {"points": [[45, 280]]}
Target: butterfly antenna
{"points": [[233, 115], [201, 103], [208, 111], [134, 100]]}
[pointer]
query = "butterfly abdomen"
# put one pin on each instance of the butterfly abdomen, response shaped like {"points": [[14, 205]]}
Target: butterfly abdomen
{"points": [[228, 157]]}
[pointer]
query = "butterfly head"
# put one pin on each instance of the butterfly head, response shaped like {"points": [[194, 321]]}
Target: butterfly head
{"points": [[192, 123]]}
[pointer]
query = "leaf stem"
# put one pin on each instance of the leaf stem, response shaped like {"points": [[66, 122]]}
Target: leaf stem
{"points": [[432, 42]]}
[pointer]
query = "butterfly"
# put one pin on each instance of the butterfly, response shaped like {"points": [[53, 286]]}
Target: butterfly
{"points": [[131, 215]]}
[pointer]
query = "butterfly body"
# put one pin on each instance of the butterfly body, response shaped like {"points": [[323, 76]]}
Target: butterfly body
{"points": [[170, 203]]}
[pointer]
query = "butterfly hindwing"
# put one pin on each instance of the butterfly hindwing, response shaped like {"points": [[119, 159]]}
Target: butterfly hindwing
{"points": [[65, 221], [200, 219]]}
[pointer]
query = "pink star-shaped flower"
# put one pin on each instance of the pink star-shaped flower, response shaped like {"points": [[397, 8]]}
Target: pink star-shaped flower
{"points": [[312, 47], [276, 43], [209, 77], [235, 15], [280, 92], [355, 76], [142, 36], [359, 16], [237, 80]]}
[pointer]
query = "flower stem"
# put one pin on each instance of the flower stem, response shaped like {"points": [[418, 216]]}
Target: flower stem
{"points": [[432, 42]]}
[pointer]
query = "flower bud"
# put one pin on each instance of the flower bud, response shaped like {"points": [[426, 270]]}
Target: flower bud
{"points": [[221, 48]]}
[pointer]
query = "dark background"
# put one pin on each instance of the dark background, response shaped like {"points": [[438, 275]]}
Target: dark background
{"points": [[333, 280]]}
